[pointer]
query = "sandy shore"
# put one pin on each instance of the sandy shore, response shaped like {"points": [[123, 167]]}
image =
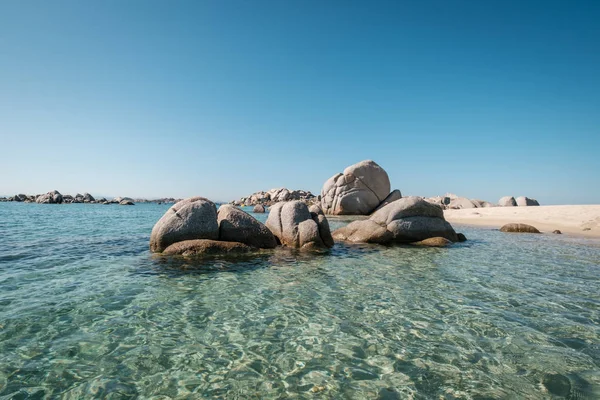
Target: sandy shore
{"points": [[568, 219]]}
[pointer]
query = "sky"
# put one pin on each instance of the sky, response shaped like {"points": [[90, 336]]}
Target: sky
{"points": [[154, 99]]}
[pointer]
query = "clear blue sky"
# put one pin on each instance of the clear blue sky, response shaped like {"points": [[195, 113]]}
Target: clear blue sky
{"points": [[224, 98]]}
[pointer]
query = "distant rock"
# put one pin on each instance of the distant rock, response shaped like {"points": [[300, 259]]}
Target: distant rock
{"points": [[519, 228], [274, 196], [507, 201], [523, 201], [236, 225], [20, 197], [358, 191], [88, 198], [408, 220], [53, 197], [557, 232], [292, 223], [259, 209], [126, 203], [197, 247], [459, 203], [193, 218]]}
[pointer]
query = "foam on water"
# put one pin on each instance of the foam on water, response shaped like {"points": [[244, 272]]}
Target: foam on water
{"points": [[87, 311]]}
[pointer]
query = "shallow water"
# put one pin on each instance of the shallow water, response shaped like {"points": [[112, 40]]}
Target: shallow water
{"points": [[87, 312]]}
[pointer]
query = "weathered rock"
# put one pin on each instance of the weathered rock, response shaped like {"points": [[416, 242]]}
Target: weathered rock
{"points": [[507, 201], [259, 209], [410, 219], [294, 226], [198, 247], [393, 196], [236, 225], [193, 218], [557, 232], [433, 242], [53, 197], [324, 231], [523, 201], [459, 203], [519, 228], [358, 191], [461, 237], [87, 198]]}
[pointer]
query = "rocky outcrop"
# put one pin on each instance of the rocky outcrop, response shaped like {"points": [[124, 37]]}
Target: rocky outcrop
{"points": [[197, 247], [408, 220], [359, 190], [295, 226], [193, 218], [53, 197], [507, 201], [523, 201], [519, 228], [236, 225], [275, 196], [194, 226], [259, 209]]}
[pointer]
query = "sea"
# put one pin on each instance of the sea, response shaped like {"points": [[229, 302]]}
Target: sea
{"points": [[86, 311]]}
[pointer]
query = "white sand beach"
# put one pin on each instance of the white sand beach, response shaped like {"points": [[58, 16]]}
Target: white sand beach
{"points": [[583, 220]]}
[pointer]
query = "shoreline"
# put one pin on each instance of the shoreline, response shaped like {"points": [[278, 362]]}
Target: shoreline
{"points": [[569, 219]]}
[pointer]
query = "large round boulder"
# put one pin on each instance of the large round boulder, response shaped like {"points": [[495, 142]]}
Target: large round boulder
{"points": [[294, 226], [507, 201], [408, 220], [193, 218], [358, 191], [523, 201], [236, 225]]}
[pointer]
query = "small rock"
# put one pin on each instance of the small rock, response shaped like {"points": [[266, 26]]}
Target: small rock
{"points": [[558, 232], [434, 242], [461, 237], [519, 228], [259, 209]]}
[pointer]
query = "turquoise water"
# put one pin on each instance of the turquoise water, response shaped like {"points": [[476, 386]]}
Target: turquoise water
{"points": [[87, 312]]}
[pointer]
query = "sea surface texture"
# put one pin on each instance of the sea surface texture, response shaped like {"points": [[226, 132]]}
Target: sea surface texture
{"points": [[87, 312]]}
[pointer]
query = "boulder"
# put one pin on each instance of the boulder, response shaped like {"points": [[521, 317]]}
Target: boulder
{"points": [[53, 197], [193, 218], [523, 201], [410, 219], [20, 197], [519, 228], [358, 191], [197, 247], [236, 225], [88, 198], [259, 209], [507, 201], [393, 196], [459, 203], [294, 226], [433, 242], [324, 231]]}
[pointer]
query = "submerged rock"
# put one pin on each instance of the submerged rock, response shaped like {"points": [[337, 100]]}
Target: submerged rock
{"points": [[205, 247], [408, 220], [193, 218], [293, 225], [358, 191], [519, 228], [236, 225], [433, 242]]}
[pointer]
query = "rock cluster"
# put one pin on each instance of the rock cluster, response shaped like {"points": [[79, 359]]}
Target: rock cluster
{"points": [[55, 197], [195, 226], [275, 196], [453, 202], [522, 201], [408, 220], [361, 189]]}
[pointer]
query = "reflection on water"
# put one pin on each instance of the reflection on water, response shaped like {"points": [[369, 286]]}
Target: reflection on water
{"points": [[86, 311]]}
